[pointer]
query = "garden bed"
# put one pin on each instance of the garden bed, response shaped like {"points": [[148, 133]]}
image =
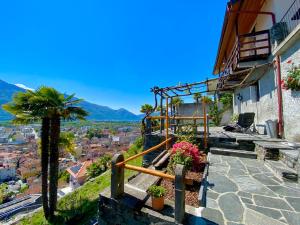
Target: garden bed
{"points": [[191, 191]]}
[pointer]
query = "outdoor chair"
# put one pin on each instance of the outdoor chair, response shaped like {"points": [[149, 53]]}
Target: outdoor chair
{"points": [[243, 124]]}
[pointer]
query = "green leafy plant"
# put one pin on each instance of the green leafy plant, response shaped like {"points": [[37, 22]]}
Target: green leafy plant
{"points": [[215, 113], [234, 117], [156, 191]]}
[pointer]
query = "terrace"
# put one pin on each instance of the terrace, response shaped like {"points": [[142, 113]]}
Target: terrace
{"points": [[242, 175]]}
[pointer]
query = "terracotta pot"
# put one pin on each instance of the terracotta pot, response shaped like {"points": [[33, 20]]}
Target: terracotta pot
{"points": [[158, 203]]}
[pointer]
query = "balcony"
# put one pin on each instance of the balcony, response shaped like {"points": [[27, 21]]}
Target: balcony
{"points": [[250, 50]]}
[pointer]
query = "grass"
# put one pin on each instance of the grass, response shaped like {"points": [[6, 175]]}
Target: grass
{"points": [[81, 205]]}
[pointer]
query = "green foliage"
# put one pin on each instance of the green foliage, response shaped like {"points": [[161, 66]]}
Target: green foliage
{"points": [[180, 158], [4, 193], [207, 99], [234, 117], [156, 191], [146, 108], [67, 142], [24, 188], [177, 101], [226, 100], [99, 167], [94, 133], [64, 176], [215, 113], [139, 142]]}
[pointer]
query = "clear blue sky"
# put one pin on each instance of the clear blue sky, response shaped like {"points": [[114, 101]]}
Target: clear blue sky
{"points": [[109, 52]]}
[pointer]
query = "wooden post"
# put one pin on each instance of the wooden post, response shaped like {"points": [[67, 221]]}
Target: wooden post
{"points": [[205, 124], [179, 193], [167, 122], [117, 177], [161, 113]]}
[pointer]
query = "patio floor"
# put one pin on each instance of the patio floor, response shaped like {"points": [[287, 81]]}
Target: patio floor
{"points": [[245, 191]]}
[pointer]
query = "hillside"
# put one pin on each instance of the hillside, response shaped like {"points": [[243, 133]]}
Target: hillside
{"points": [[97, 112]]}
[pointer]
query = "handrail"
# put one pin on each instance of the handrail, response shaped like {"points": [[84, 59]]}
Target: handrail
{"points": [[177, 117], [155, 173], [149, 171], [144, 152]]}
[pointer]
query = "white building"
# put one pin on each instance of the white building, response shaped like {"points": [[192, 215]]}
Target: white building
{"points": [[259, 41]]}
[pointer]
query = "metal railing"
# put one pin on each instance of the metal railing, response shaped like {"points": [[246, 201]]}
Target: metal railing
{"points": [[291, 19]]}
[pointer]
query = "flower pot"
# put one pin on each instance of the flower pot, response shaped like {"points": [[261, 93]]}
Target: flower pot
{"points": [[158, 203]]}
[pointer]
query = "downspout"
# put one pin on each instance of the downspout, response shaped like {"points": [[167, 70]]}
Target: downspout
{"points": [[277, 65]]}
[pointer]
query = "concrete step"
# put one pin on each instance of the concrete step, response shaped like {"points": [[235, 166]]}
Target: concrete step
{"points": [[289, 157], [159, 157], [282, 171], [233, 152], [162, 162]]}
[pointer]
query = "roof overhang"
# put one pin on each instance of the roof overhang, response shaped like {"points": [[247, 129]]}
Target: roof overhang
{"points": [[243, 78], [233, 20]]}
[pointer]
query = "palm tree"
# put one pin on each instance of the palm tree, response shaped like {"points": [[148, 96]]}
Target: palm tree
{"points": [[146, 108], [28, 107], [59, 107], [50, 106], [197, 97], [175, 102]]}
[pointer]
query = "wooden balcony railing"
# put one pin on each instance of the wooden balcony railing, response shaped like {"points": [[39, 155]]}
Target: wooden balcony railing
{"points": [[248, 47]]}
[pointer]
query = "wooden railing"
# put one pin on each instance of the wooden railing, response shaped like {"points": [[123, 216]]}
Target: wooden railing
{"points": [[117, 178], [248, 47], [166, 118]]}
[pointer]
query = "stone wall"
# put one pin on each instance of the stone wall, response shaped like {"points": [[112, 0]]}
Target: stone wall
{"points": [[291, 99], [194, 109], [114, 212]]}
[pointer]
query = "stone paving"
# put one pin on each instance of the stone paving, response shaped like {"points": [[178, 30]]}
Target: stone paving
{"points": [[245, 191]]}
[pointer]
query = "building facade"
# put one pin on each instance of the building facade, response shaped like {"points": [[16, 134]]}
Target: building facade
{"points": [[259, 45]]}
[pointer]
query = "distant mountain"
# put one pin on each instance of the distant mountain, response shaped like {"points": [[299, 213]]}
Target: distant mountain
{"points": [[96, 112]]}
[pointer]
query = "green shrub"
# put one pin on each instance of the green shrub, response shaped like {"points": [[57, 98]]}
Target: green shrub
{"points": [[156, 191], [99, 167]]}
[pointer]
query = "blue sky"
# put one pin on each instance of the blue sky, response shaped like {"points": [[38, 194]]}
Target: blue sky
{"points": [[109, 52]]}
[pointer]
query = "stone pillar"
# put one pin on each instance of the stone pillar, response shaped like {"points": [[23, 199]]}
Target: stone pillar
{"points": [[148, 126], [179, 193], [117, 177]]}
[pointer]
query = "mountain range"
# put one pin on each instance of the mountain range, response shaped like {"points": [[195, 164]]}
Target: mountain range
{"points": [[96, 112]]}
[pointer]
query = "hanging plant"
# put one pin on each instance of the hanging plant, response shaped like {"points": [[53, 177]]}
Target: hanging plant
{"points": [[292, 81]]}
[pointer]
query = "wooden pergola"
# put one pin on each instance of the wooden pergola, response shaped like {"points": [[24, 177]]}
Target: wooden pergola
{"points": [[164, 97]]}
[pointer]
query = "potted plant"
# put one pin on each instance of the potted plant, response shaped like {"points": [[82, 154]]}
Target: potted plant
{"points": [[157, 194]]}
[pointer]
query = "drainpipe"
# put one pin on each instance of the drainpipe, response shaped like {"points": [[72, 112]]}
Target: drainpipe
{"points": [[277, 65]]}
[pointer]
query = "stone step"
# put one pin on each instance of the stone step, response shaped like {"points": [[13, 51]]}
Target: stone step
{"points": [[143, 181], [282, 171], [159, 157], [289, 157], [162, 162], [233, 152]]}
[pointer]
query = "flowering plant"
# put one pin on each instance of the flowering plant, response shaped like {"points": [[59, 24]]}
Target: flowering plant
{"points": [[292, 81], [186, 154]]}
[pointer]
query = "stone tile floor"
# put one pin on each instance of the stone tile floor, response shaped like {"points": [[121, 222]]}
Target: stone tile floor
{"points": [[245, 191]]}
